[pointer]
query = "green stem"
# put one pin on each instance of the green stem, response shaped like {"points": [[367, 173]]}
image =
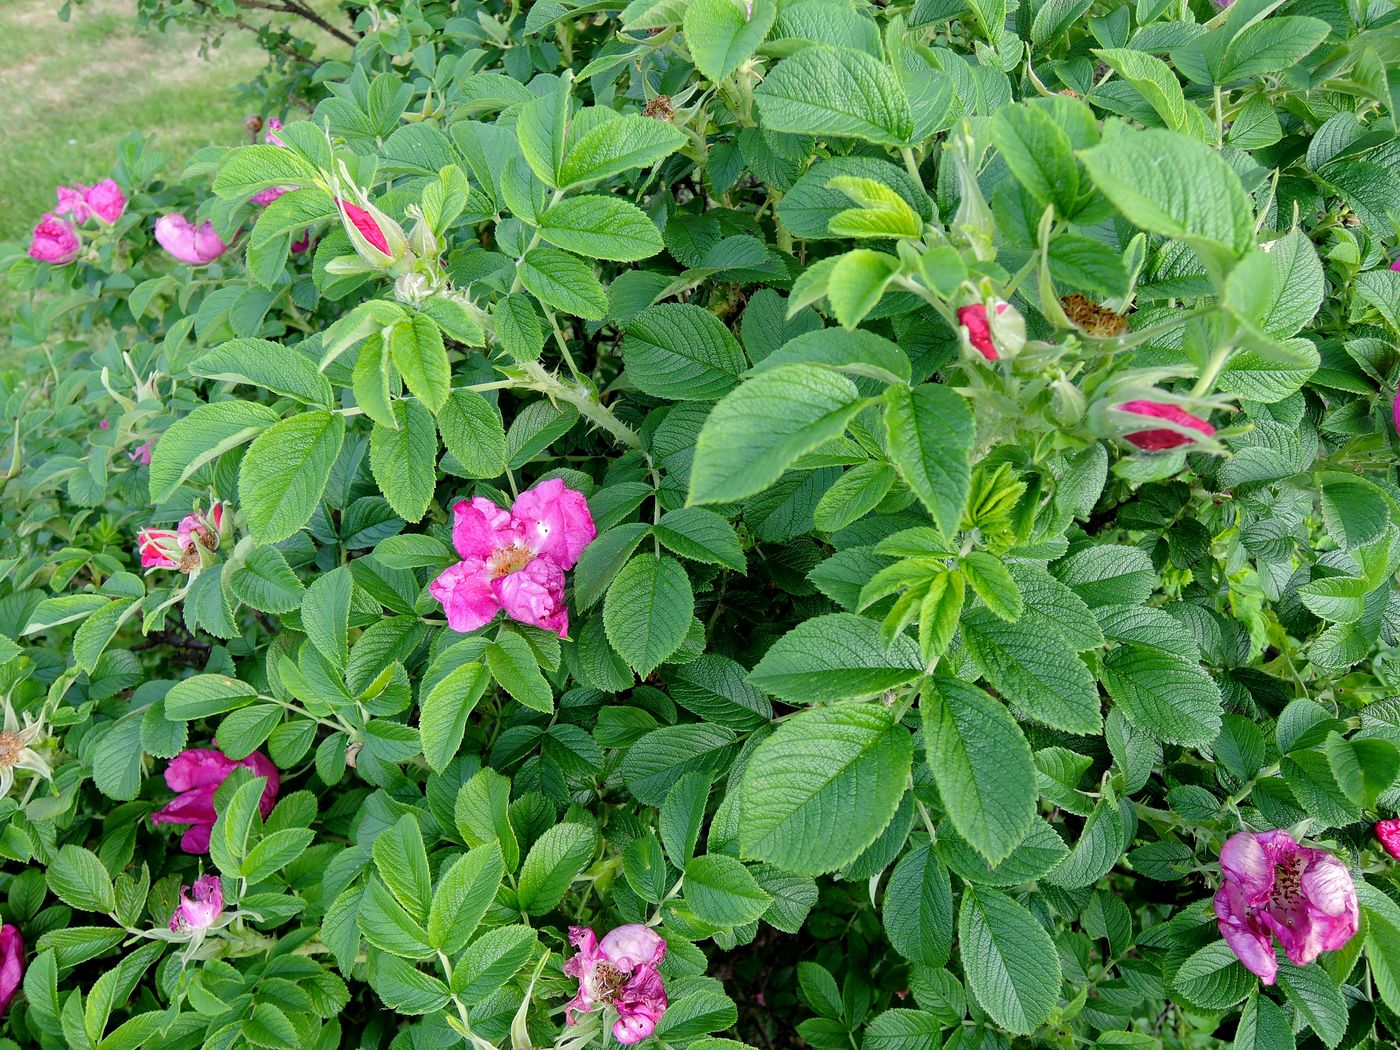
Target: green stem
{"points": [[585, 400], [1213, 366]]}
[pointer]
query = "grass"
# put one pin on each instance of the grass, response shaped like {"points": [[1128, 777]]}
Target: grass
{"points": [[74, 89]]}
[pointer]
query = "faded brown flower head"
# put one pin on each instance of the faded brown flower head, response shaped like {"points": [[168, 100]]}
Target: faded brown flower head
{"points": [[1093, 318], [659, 108], [252, 123]]}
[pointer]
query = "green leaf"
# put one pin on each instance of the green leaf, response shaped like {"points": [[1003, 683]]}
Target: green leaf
{"points": [[661, 758], [835, 91], [203, 435], [491, 960], [840, 656], [564, 282], [617, 145], [206, 694], [1154, 79], [1212, 978], [918, 909], [1263, 1026], [285, 472], [929, 430], [553, 862], [855, 494], [718, 690], [1167, 183], [472, 431], [1316, 999], [514, 665], [993, 584], [1364, 769], [1163, 694], [78, 878], [820, 790], [1011, 965], [266, 582], [442, 719], [601, 228], [756, 432], [721, 34], [721, 892], [402, 862], [464, 894], [1035, 669], [1382, 941], [982, 765], [262, 363], [402, 460], [857, 282], [681, 352], [325, 615], [1039, 154], [900, 1029], [647, 611], [420, 356], [701, 535]]}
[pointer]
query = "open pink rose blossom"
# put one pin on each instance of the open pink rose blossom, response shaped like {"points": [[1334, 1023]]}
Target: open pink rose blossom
{"points": [[54, 242], [11, 964], [196, 774], [203, 909], [1159, 438], [1273, 887], [515, 560], [80, 203], [141, 454], [196, 245], [979, 329], [181, 548], [619, 971]]}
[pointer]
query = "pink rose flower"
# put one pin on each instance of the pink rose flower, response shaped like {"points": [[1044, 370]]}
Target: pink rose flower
{"points": [[515, 560], [54, 242], [267, 196], [1273, 887], [619, 971], [302, 245], [105, 424], [1161, 438], [273, 125], [195, 774], [203, 910], [182, 547], [358, 220], [1388, 831], [106, 200], [73, 203], [1395, 265], [141, 453], [979, 330], [197, 246], [11, 964]]}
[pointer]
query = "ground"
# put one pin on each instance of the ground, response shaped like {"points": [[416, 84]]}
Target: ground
{"points": [[74, 89]]}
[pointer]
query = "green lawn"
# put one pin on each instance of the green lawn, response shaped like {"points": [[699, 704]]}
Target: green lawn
{"points": [[74, 89]]}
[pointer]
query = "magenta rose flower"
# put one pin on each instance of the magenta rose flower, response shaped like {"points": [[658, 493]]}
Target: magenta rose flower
{"points": [[274, 125], [1159, 438], [182, 547], [1273, 887], [11, 964], [515, 560], [267, 196], [105, 200], [73, 203], [203, 909], [196, 245], [195, 774], [141, 453], [979, 329], [1388, 832], [1395, 265], [619, 971], [54, 241]]}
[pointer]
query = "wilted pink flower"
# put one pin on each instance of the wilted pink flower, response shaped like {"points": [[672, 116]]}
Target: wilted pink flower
{"points": [[141, 453], [196, 774], [1161, 438], [267, 196], [515, 560], [106, 200], [1273, 887], [71, 202], [204, 909], [1388, 831], [184, 546], [979, 331], [11, 964], [197, 246], [273, 125], [54, 242], [619, 971]]}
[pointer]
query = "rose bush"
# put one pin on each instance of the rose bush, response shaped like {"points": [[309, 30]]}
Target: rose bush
{"points": [[696, 522]]}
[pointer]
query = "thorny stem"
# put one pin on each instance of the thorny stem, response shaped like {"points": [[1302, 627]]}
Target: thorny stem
{"points": [[585, 400]]}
